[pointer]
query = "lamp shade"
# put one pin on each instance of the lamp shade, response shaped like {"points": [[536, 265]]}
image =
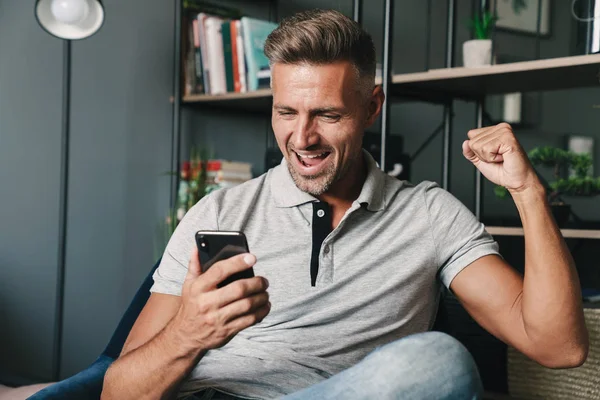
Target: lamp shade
{"points": [[70, 19]]}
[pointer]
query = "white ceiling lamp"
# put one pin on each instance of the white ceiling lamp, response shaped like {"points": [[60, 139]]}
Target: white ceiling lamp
{"points": [[70, 19]]}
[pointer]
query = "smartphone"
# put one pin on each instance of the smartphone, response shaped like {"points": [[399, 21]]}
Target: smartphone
{"points": [[214, 246]]}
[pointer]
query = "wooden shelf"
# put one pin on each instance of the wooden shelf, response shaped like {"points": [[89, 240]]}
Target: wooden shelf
{"points": [[259, 100], [466, 83], [549, 74], [567, 233]]}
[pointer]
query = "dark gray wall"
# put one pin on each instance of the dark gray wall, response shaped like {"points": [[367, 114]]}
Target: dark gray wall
{"points": [[120, 150], [121, 122], [30, 104]]}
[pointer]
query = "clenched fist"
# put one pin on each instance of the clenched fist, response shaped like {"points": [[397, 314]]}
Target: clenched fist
{"points": [[496, 152]]}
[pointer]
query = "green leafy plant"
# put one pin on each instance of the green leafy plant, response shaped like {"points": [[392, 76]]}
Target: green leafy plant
{"points": [[192, 187], [483, 24], [580, 184]]}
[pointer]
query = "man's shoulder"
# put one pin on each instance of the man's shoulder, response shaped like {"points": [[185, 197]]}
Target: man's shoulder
{"points": [[403, 190], [424, 193]]}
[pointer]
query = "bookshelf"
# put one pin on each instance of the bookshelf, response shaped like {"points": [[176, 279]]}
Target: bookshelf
{"points": [[464, 83], [441, 85]]}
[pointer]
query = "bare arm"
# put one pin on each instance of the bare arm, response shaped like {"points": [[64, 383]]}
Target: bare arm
{"points": [[172, 334], [539, 314], [152, 363]]}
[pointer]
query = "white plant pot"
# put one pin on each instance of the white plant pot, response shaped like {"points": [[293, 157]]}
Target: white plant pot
{"points": [[477, 53]]}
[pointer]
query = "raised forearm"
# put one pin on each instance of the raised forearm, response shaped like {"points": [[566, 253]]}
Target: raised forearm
{"points": [[152, 371], [551, 303]]}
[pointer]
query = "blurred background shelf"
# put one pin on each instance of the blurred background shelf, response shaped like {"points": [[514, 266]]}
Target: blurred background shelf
{"points": [[472, 83], [465, 83], [567, 233], [259, 100]]}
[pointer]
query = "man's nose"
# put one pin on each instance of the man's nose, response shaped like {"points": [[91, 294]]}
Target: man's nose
{"points": [[305, 134]]}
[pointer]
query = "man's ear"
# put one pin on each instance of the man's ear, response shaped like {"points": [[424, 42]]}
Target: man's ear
{"points": [[375, 105]]}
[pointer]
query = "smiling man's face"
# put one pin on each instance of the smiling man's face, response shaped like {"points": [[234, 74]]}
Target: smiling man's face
{"points": [[319, 117]]}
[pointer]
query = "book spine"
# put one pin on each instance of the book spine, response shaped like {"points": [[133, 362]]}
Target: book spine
{"points": [[234, 57], [227, 55], [187, 56], [214, 41], [252, 79], [199, 79], [241, 57], [204, 52]]}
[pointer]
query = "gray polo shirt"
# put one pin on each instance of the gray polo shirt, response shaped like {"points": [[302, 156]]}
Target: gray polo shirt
{"points": [[379, 276]]}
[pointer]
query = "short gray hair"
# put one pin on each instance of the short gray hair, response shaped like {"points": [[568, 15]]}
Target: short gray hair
{"points": [[318, 37]]}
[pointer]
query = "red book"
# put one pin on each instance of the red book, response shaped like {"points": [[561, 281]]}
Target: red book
{"points": [[237, 84]]}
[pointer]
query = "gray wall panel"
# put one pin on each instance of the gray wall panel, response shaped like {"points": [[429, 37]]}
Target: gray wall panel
{"points": [[30, 131], [121, 122]]}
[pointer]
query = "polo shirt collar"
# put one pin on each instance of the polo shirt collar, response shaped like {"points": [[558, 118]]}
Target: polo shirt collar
{"points": [[373, 191], [287, 194]]}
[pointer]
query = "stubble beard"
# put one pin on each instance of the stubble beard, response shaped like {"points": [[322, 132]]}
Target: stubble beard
{"points": [[317, 185]]}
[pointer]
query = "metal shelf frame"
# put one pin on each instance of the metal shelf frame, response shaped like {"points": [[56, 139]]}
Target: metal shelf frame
{"points": [[390, 85]]}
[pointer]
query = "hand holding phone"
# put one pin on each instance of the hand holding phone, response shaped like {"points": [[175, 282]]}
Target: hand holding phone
{"points": [[223, 296]]}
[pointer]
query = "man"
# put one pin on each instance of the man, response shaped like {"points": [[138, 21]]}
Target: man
{"points": [[354, 259]]}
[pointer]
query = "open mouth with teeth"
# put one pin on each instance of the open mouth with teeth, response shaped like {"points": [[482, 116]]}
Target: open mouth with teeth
{"points": [[312, 159]]}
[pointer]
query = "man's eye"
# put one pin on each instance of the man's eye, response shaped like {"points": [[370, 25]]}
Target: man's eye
{"points": [[285, 114], [330, 117]]}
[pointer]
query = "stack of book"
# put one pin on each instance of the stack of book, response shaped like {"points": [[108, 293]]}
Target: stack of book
{"points": [[198, 178], [225, 174], [223, 53]]}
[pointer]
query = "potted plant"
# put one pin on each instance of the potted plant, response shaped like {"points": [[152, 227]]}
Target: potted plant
{"points": [[478, 52], [580, 183], [191, 188]]}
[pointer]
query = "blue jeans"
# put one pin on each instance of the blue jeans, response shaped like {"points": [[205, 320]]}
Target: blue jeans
{"points": [[424, 366]]}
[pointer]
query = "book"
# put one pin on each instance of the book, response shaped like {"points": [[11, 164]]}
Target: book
{"points": [[214, 55], [227, 55], [241, 58], [229, 166], [255, 35], [198, 74], [234, 57], [224, 174], [187, 56], [204, 51]]}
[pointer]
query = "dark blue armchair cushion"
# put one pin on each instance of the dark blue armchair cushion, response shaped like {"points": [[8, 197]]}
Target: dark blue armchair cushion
{"points": [[86, 385]]}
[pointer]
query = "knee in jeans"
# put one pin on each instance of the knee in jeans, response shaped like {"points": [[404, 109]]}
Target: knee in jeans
{"points": [[437, 355]]}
